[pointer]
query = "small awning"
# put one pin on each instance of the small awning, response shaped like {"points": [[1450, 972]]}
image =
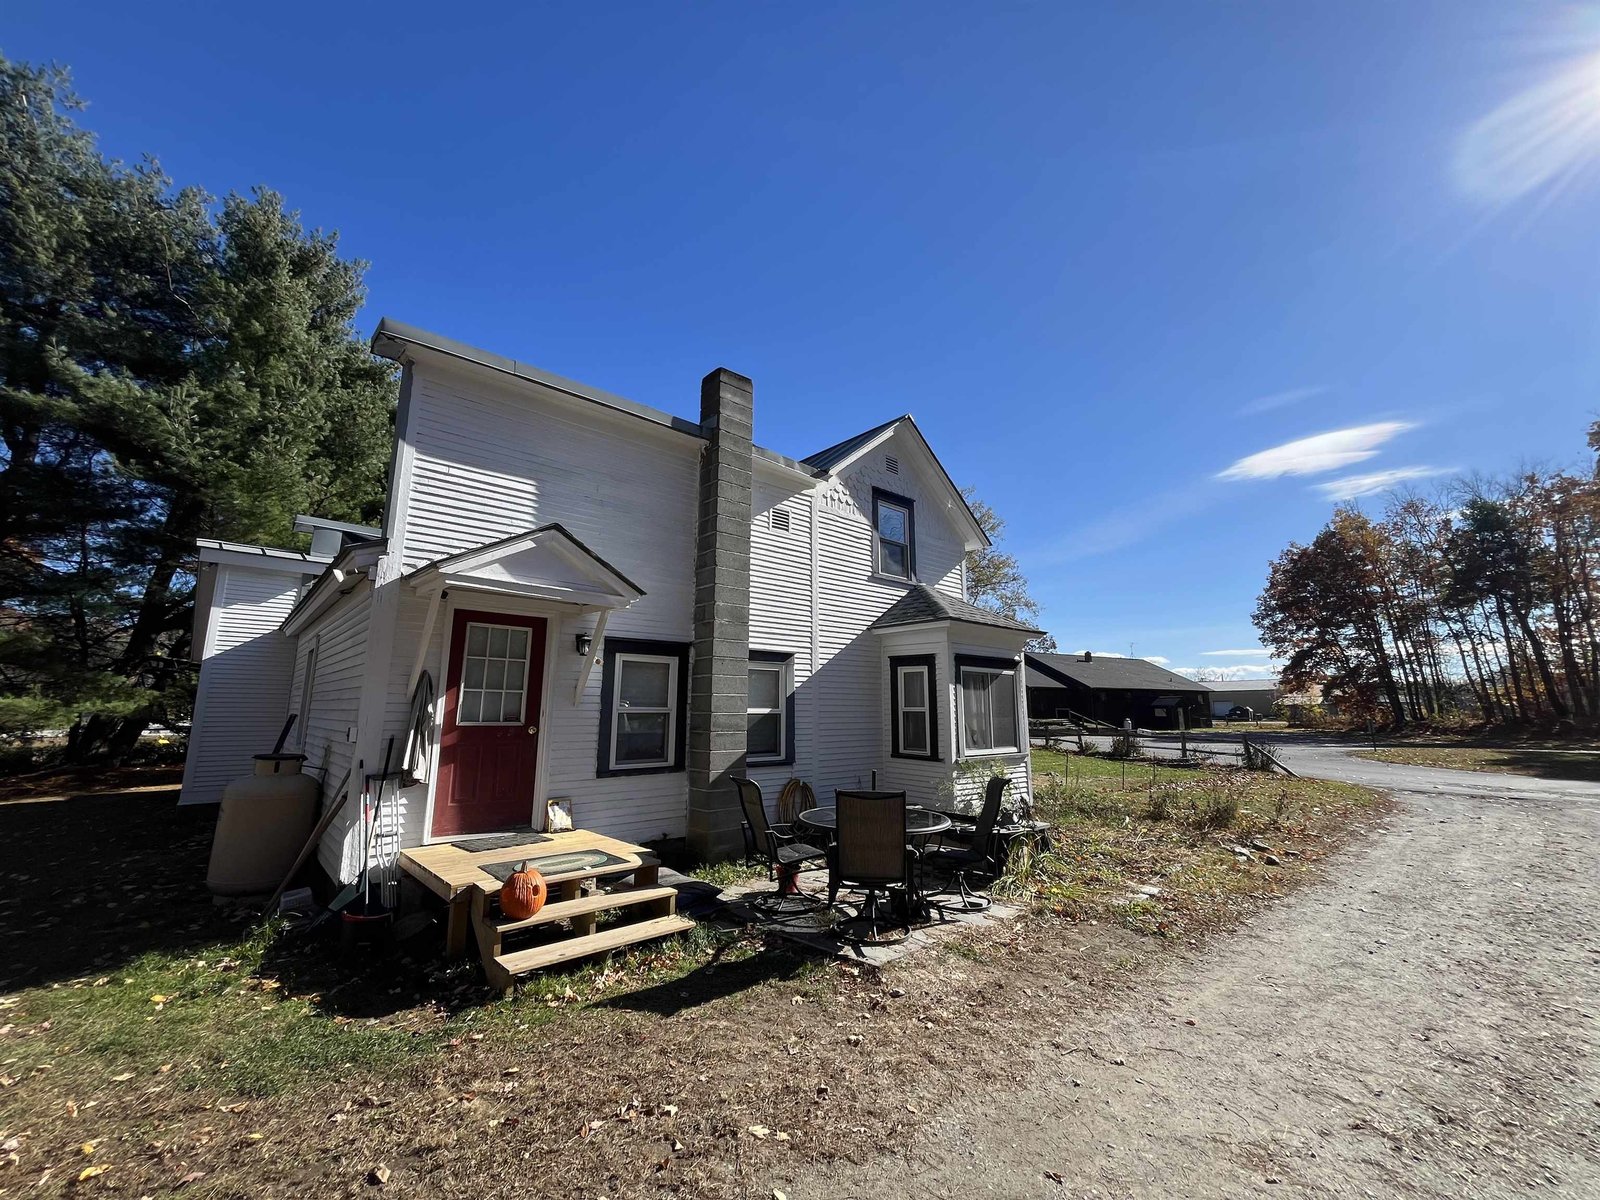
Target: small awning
{"points": [[546, 563]]}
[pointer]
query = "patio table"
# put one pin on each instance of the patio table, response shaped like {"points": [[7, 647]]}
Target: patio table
{"points": [[921, 824]]}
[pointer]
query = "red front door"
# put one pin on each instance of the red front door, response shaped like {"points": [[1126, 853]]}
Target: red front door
{"points": [[489, 747]]}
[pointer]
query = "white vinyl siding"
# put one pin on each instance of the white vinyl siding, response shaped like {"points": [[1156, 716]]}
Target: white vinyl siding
{"points": [[242, 699], [336, 688], [492, 459]]}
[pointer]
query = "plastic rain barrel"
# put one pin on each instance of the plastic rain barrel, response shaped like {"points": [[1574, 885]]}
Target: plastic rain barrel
{"points": [[265, 820]]}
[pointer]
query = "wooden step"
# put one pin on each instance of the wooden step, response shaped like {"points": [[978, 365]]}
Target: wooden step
{"points": [[507, 967], [566, 910]]}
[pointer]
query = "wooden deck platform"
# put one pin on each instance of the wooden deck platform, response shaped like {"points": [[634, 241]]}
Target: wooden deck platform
{"points": [[617, 878]]}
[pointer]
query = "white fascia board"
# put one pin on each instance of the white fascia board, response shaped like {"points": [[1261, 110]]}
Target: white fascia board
{"points": [[502, 587]]}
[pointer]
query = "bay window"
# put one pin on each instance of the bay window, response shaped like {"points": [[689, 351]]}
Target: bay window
{"points": [[988, 698]]}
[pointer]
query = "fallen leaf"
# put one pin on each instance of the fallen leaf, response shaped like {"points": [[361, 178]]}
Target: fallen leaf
{"points": [[379, 1175], [158, 999], [90, 1172], [233, 1108], [123, 1078], [191, 1177], [759, 1131]]}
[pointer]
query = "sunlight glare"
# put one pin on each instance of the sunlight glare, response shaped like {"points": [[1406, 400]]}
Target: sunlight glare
{"points": [[1541, 138]]}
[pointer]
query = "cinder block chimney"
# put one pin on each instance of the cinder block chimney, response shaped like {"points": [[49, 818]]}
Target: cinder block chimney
{"points": [[719, 679]]}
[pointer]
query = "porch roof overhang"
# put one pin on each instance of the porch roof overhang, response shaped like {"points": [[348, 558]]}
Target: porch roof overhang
{"points": [[545, 563]]}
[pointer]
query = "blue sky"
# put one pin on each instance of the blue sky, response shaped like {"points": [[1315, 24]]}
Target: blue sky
{"points": [[1152, 277]]}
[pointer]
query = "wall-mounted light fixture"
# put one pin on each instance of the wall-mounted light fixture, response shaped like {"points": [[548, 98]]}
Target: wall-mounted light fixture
{"points": [[584, 643]]}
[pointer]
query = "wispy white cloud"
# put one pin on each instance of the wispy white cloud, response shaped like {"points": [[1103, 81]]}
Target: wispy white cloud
{"points": [[1253, 652], [1318, 453], [1540, 138], [1280, 400], [1352, 486]]}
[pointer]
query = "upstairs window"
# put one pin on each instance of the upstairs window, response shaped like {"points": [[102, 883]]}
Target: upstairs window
{"points": [[770, 709], [894, 535], [988, 706]]}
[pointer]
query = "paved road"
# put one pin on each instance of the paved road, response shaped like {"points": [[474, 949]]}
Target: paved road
{"points": [[1423, 1022]]}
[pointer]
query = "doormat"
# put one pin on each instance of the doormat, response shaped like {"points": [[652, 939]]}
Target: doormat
{"points": [[557, 864], [501, 841]]}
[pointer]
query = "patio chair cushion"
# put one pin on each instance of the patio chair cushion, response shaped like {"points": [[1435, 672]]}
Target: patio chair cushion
{"points": [[798, 852]]}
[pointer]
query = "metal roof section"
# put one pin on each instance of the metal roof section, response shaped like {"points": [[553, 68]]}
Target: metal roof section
{"points": [[826, 460], [921, 605], [1111, 674], [247, 554], [392, 338]]}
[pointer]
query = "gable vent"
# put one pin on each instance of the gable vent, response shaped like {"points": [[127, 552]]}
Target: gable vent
{"points": [[778, 518], [892, 464]]}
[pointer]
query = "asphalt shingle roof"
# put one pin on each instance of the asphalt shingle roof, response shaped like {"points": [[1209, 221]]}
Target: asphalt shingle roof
{"points": [[921, 604], [1125, 674]]}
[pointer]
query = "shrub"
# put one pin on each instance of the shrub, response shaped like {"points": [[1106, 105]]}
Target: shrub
{"points": [[1125, 745]]}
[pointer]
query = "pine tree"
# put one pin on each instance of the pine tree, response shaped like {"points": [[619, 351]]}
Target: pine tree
{"points": [[170, 368]]}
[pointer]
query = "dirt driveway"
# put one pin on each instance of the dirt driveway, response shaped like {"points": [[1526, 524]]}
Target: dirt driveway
{"points": [[1425, 1022]]}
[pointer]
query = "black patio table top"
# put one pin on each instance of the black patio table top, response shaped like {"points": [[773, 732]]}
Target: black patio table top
{"points": [[920, 822]]}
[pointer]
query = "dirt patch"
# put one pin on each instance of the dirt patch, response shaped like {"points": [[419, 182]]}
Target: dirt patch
{"points": [[178, 1041]]}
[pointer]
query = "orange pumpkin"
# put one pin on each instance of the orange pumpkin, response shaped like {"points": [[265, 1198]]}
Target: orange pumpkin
{"points": [[522, 895]]}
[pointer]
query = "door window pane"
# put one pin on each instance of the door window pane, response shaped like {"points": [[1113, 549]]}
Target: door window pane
{"points": [[494, 675]]}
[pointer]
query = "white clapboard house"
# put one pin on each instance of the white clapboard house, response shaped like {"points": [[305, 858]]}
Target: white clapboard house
{"points": [[593, 602]]}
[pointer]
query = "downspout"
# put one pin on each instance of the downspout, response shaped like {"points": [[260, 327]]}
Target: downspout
{"points": [[816, 637]]}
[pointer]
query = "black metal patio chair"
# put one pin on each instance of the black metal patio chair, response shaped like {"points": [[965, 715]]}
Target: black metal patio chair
{"points": [[871, 853], [976, 858], [779, 847]]}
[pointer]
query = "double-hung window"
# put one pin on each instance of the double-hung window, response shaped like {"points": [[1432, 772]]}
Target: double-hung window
{"points": [[914, 728], [642, 695], [770, 709], [988, 705], [894, 535]]}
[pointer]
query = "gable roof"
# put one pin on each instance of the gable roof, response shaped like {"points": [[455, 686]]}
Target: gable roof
{"points": [[841, 455], [826, 460], [921, 605], [546, 561], [1126, 674], [392, 339]]}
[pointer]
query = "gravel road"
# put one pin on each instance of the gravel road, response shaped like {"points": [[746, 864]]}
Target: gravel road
{"points": [[1424, 1021]]}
